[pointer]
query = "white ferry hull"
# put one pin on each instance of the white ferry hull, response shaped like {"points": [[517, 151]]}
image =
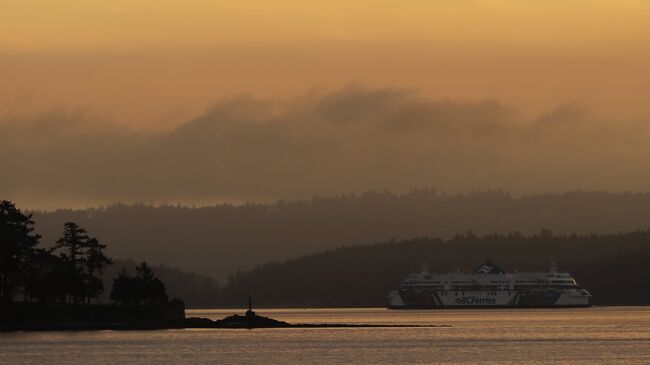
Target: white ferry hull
{"points": [[405, 299], [488, 286]]}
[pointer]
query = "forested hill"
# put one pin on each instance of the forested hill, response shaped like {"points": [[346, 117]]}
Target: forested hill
{"points": [[219, 240], [615, 268]]}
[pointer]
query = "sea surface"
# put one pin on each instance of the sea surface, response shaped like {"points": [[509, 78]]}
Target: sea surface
{"points": [[598, 335]]}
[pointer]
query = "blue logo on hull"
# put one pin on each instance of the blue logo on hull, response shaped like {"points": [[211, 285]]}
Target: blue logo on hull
{"points": [[475, 301]]}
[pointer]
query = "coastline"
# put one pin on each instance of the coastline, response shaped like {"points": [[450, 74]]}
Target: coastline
{"points": [[188, 323], [97, 317]]}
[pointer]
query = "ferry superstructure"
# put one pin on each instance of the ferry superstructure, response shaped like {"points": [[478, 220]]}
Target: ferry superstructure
{"points": [[489, 287]]}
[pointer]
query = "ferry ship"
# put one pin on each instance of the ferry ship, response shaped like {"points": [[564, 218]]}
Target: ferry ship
{"points": [[489, 287]]}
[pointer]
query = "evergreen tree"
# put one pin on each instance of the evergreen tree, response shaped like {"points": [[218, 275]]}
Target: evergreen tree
{"points": [[153, 290], [73, 244], [95, 261], [84, 259], [17, 248], [143, 289], [45, 279], [125, 289], [144, 272], [74, 241]]}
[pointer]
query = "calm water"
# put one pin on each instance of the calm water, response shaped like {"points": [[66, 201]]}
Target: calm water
{"points": [[616, 335]]}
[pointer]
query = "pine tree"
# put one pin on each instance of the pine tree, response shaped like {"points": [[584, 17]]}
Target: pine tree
{"points": [[153, 290], [73, 244], [73, 241], [95, 261], [17, 248], [85, 260], [143, 289]]}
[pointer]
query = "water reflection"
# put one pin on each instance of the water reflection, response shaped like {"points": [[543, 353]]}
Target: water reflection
{"points": [[553, 336]]}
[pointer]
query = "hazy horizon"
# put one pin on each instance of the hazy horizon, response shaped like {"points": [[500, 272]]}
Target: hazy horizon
{"points": [[299, 199], [349, 140], [199, 102]]}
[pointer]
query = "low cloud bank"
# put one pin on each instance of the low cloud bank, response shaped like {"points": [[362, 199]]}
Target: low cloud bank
{"points": [[353, 139]]}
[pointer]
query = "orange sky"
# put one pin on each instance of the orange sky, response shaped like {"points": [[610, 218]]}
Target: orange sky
{"points": [[342, 96], [157, 64]]}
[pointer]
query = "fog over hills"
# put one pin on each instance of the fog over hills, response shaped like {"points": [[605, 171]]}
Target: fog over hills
{"points": [[321, 143], [219, 240]]}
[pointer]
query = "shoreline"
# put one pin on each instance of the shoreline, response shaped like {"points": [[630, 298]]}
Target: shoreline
{"points": [[188, 323], [251, 321]]}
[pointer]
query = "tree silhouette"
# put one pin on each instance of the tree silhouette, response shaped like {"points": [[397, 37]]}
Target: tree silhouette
{"points": [[17, 248], [199, 289], [73, 241], [83, 260], [46, 277], [125, 290], [143, 289], [153, 290], [95, 261]]}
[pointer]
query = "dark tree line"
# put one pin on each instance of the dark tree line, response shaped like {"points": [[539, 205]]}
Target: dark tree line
{"points": [[614, 267], [218, 240], [20, 258], [70, 271]]}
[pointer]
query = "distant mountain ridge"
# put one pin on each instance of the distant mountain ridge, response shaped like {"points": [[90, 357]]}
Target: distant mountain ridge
{"points": [[219, 240]]}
